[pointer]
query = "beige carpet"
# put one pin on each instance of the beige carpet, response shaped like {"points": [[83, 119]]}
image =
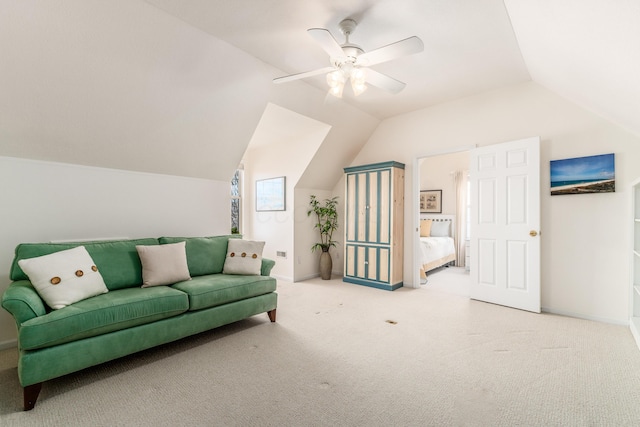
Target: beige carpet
{"points": [[348, 355], [454, 280]]}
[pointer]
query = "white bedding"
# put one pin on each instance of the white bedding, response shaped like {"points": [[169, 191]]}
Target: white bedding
{"points": [[436, 248]]}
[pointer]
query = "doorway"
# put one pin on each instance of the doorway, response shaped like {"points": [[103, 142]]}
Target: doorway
{"points": [[439, 173], [505, 220]]}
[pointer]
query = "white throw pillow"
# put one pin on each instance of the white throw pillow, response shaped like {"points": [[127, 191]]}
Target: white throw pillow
{"points": [[440, 229], [243, 257], [163, 264], [64, 277]]}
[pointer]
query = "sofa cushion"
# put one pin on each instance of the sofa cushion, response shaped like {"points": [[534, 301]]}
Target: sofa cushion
{"points": [[243, 257], [205, 255], [65, 277], [117, 260], [163, 264], [217, 289], [105, 313]]}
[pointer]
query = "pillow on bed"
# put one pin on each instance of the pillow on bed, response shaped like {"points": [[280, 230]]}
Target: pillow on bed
{"points": [[440, 229], [425, 227]]}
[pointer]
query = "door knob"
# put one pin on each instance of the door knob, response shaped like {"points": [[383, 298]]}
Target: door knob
{"points": [[533, 233]]}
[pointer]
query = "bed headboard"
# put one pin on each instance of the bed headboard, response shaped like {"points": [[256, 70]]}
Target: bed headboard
{"points": [[442, 218]]}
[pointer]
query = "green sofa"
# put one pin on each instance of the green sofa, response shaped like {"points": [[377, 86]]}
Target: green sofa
{"points": [[128, 318]]}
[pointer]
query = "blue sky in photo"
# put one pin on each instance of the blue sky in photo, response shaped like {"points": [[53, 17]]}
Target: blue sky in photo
{"points": [[583, 168]]}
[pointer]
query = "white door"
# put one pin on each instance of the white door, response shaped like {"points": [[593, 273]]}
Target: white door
{"points": [[505, 224]]}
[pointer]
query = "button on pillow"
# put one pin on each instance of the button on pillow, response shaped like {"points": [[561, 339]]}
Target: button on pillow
{"points": [[64, 277]]}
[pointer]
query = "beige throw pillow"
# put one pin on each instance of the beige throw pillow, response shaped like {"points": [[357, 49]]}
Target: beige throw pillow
{"points": [[243, 257], [425, 227], [163, 264], [64, 277]]}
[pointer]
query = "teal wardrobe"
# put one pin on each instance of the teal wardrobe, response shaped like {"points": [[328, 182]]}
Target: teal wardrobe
{"points": [[374, 225]]}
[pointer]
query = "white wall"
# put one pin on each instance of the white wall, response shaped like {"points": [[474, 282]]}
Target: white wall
{"points": [[44, 201], [307, 262], [288, 157], [585, 239], [436, 173]]}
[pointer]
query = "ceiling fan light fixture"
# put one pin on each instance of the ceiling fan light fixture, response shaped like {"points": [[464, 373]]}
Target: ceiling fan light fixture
{"points": [[358, 81], [336, 80], [337, 90], [358, 88], [350, 62]]}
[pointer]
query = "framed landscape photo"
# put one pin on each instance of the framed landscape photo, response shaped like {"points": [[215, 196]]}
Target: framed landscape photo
{"points": [[582, 175], [270, 194], [431, 201]]}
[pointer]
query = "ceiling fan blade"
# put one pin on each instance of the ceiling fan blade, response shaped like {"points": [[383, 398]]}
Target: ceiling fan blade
{"points": [[306, 74], [383, 81], [391, 51], [326, 41]]}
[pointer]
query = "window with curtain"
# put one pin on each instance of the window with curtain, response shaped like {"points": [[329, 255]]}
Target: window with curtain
{"points": [[461, 179]]}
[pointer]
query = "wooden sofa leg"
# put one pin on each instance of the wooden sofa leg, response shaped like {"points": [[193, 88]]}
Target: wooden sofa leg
{"points": [[272, 315], [31, 393]]}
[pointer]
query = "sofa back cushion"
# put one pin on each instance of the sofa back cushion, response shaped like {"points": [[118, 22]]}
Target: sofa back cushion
{"points": [[117, 260], [205, 255]]}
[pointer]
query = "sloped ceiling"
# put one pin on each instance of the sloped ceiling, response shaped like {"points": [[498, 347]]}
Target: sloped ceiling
{"points": [[585, 50], [178, 87], [279, 125], [122, 84], [469, 45]]}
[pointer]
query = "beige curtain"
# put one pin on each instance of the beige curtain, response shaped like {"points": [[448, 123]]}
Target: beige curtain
{"points": [[460, 178]]}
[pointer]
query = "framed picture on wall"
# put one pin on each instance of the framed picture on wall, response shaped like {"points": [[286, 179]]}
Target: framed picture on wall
{"points": [[582, 175], [431, 201], [270, 194]]}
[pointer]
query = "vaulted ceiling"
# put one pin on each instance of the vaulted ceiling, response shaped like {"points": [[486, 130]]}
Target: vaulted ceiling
{"points": [[585, 50], [180, 86]]}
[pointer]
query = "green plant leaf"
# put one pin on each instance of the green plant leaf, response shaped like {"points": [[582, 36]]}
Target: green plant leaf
{"points": [[326, 220]]}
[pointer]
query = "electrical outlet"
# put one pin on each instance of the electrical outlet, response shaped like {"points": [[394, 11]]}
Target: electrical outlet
{"points": [[281, 254]]}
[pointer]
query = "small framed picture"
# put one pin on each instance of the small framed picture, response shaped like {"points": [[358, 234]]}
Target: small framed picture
{"points": [[431, 201], [270, 194]]}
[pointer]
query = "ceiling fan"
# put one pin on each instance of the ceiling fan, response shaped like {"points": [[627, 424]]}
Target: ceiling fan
{"points": [[350, 62]]}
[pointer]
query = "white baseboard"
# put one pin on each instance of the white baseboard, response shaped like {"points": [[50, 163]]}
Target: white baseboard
{"points": [[5, 345], [308, 277], [284, 278], [585, 317], [334, 275]]}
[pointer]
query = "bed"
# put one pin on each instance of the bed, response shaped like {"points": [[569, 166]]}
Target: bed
{"points": [[437, 243]]}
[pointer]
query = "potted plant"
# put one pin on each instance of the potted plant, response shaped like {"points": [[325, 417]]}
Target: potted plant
{"points": [[326, 222]]}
